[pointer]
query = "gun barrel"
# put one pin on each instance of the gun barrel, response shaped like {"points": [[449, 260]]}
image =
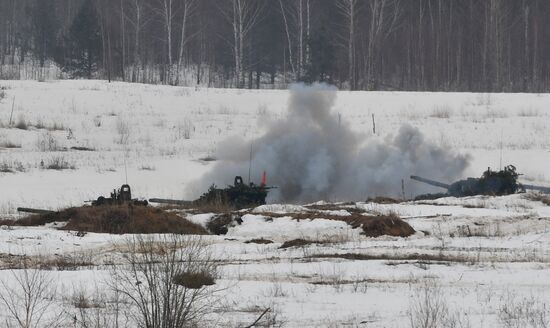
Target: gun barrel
{"points": [[545, 190], [33, 210], [170, 201], [431, 182]]}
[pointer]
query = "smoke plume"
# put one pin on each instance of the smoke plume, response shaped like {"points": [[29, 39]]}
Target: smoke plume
{"points": [[312, 155]]}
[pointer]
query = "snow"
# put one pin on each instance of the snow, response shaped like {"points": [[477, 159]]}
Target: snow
{"points": [[500, 245], [200, 219]]}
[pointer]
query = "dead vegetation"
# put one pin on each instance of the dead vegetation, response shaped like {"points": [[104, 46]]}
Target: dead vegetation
{"points": [[538, 197], [259, 241], [296, 243], [383, 200], [372, 225], [424, 258], [218, 224], [194, 280], [115, 220], [9, 144]]}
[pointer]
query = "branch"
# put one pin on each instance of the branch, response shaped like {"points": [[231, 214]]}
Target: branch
{"points": [[259, 318]]}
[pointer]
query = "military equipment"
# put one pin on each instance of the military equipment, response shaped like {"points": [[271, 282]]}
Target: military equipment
{"points": [[238, 196], [545, 190], [119, 197], [33, 210], [170, 201], [494, 183]]}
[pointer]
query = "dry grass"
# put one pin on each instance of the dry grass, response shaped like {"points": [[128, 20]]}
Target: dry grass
{"points": [[372, 226], [259, 241], [426, 258], [194, 280], [296, 243], [383, 200], [9, 144], [115, 219], [59, 163], [538, 197], [218, 224]]}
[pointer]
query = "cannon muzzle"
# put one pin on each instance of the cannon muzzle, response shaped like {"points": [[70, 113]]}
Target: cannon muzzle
{"points": [[431, 182], [545, 190], [170, 201], [33, 210]]}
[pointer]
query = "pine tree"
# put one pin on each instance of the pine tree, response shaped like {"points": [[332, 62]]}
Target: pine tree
{"points": [[84, 41]]}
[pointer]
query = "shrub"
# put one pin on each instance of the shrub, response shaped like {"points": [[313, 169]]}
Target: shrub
{"points": [[184, 129], [194, 280], [27, 298], [441, 111], [59, 163], [428, 309], [538, 197], [526, 312], [11, 167], [46, 142], [22, 124], [165, 280], [123, 131]]}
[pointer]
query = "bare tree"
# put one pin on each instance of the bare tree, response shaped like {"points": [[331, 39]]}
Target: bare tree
{"points": [[166, 280], [189, 7], [243, 16], [288, 38], [383, 19], [166, 11], [348, 9], [27, 296], [429, 309], [296, 17]]}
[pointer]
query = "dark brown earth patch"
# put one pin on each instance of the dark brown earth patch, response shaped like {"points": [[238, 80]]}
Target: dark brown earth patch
{"points": [[114, 219]]}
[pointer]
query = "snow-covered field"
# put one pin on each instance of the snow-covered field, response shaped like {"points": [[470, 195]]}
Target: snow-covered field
{"points": [[485, 261]]}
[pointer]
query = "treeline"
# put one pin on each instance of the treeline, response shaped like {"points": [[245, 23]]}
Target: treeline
{"points": [[452, 45]]}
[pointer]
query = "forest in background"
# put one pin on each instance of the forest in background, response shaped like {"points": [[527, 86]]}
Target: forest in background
{"points": [[423, 45]]}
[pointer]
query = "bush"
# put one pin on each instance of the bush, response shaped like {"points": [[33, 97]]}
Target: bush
{"points": [[22, 124], [46, 142], [59, 163], [9, 144], [526, 312], [184, 129], [27, 298], [194, 280], [123, 131], [11, 167], [165, 280], [538, 197], [428, 309]]}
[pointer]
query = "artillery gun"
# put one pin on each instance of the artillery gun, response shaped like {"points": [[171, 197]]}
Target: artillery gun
{"points": [[122, 196], [238, 196], [119, 197], [492, 183]]}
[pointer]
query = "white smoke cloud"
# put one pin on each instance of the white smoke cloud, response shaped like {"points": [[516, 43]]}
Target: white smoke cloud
{"points": [[311, 155]]}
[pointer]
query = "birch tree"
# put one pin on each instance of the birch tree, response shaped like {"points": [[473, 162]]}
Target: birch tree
{"points": [[244, 15], [188, 8], [348, 9]]}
